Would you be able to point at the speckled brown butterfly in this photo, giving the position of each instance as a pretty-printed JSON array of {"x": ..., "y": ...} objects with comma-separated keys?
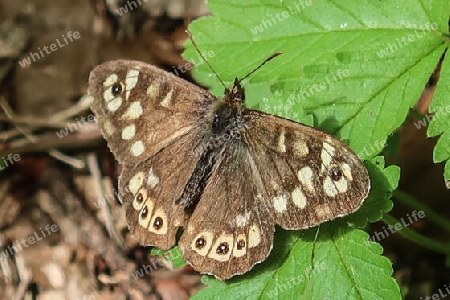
[{"x": 225, "y": 173}]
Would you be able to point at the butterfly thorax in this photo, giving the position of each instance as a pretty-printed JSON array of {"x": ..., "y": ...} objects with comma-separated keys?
[
  {"x": 226, "y": 126},
  {"x": 228, "y": 111}
]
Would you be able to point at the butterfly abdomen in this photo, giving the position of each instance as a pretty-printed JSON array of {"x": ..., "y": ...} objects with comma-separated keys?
[{"x": 196, "y": 184}]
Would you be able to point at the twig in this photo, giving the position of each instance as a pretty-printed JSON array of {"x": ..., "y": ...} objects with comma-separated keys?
[
  {"x": 80, "y": 106},
  {"x": 416, "y": 237},
  {"x": 25, "y": 275},
  {"x": 100, "y": 192},
  {"x": 10, "y": 114},
  {"x": 69, "y": 160},
  {"x": 33, "y": 121},
  {"x": 432, "y": 216}
]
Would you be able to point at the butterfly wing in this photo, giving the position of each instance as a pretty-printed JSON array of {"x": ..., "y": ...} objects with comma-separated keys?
[
  {"x": 307, "y": 177},
  {"x": 151, "y": 121},
  {"x": 229, "y": 231},
  {"x": 149, "y": 191},
  {"x": 141, "y": 108}
]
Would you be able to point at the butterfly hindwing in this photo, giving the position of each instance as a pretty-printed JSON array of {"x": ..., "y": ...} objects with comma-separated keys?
[
  {"x": 229, "y": 231},
  {"x": 150, "y": 189}
]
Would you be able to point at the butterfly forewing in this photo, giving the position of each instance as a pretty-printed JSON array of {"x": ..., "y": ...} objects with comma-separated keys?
[
  {"x": 141, "y": 109},
  {"x": 307, "y": 176}
]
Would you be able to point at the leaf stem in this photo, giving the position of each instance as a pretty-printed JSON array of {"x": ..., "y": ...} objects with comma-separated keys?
[
  {"x": 431, "y": 215},
  {"x": 417, "y": 237}
]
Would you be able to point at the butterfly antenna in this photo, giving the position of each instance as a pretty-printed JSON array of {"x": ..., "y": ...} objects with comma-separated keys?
[
  {"x": 262, "y": 64},
  {"x": 204, "y": 59}
]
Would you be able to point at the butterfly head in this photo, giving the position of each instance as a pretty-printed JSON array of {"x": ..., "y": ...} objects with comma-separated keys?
[
  {"x": 235, "y": 97},
  {"x": 236, "y": 93}
]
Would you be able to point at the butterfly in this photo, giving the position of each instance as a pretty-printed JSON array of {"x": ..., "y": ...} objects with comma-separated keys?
[{"x": 222, "y": 174}]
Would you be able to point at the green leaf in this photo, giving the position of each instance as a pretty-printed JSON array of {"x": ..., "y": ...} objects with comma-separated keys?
[
  {"x": 392, "y": 145},
  {"x": 284, "y": 107},
  {"x": 173, "y": 256},
  {"x": 351, "y": 68},
  {"x": 440, "y": 124},
  {"x": 350, "y": 262},
  {"x": 337, "y": 263},
  {"x": 384, "y": 181},
  {"x": 357, "y": 66}
]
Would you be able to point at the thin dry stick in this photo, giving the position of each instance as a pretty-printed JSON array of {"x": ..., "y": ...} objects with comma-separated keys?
[
  {"x": 33, "y": 121},
  {"x": 76, "y": 163},
  {"x": 25, "y": 275},
  {"x": 56, "y": 119},
  {"x": 82, "y": 105},
  {"x": 10, "y": 114},
  {"x": 71, "y": 161},
  {"x": 5, "y": 265},
  {"x": 100, "y": 192}
]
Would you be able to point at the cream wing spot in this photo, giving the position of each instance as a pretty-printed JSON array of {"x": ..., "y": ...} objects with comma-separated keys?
[
  {"x": 254, "y": 236},
  {"x": 133, "y": 112},
  {"x": 329, "y": 148},
  {"x": 107, "y": 95},
  {"x": 341, "y": 185},
  {"x": 202, "y": 242},
  {"x": 132, "y": 74},
  {"x": 240, "y": 246},
  {"x": 326, "y": 155},
  {"x": 131, "y": 80},
  {"x": 129, "y": 132},
  {"x": 306, "y": 177},
  {"x": 222, "y": 248},
  {"x": 242, "y": 220},
  {"x": 167, "y": 99},
  {"x": 110, "y": 80},
  {"x": 136, "y": 182},
  {"x": 114, "y": 104},
  {"x": 280, "y": 202},
  {"x": 137, "y": 148},
  {"x": 298, "y": 197},
  {"x": 329, "y": 187},
  {"x": 300, "y": 147},
  {"x": 159, "y": 223},
  {"x": 152, "y": 179},
  {"x": 347, "y": 171},
  {"x": 109, "y": 128},
  {"x": 281, "y": 147},
  {"x": 153, "y": 90}
]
